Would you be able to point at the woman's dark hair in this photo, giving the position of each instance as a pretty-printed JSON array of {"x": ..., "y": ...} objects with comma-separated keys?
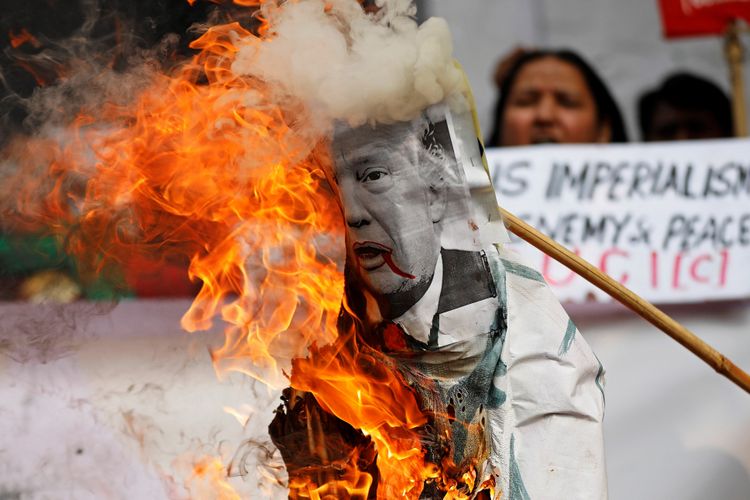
[
  {"x": 686, "y": 91},
  {"x": 606, "y": 107}
]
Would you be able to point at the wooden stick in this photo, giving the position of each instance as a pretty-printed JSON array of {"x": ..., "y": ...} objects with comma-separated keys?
[
  {"x": 733, "y": 51},
  {"x": 648, "y": 311}
]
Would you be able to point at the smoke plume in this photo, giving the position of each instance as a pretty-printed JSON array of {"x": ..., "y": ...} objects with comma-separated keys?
[{"x": 347, "y": 65}]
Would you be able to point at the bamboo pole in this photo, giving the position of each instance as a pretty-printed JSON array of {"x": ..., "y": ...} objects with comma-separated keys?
[
  {"x": 645, "y": 309},
  {"x": 734, "y": 52}
]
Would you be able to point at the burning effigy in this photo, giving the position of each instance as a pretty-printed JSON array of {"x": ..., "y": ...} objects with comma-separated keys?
[
  {"x": 493, "y": 382},
  {"x": 323, "y": 176}
]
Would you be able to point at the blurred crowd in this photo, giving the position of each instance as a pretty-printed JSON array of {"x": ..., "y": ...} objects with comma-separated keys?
[
  {"x": 555, "y": 96},
  {"x": 543, "y": 96}
]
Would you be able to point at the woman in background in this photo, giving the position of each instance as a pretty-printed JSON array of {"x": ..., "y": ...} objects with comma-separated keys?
[{"x": 552, "y": 96}]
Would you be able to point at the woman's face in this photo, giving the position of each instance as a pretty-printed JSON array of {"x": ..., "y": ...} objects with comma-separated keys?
[{"x": 550, "y": 102}]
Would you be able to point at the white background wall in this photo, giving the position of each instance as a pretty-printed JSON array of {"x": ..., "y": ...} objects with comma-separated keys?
[{"x": 621, "y": 38}]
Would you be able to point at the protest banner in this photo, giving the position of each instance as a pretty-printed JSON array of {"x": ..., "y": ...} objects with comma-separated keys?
[
  {"x": 669, "y": 220},
  {"x": 682, "y": 18}
]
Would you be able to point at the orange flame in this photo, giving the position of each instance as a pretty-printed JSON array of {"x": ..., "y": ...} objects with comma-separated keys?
[
  {"x": 364, "y": 389},
  {"x": 22, "y": 37},
  {"x": 209, "y": 480},
  {"x": 204, "y": 166}
]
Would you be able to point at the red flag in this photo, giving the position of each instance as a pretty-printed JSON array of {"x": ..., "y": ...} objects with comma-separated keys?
[{"x": 682, "y": 18}]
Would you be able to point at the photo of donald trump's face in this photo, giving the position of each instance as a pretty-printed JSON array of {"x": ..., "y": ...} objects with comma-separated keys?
[{"x": 392, "y": 195}]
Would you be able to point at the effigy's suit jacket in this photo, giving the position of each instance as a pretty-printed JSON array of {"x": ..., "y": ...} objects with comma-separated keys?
[{"x": 513, "y": 389}]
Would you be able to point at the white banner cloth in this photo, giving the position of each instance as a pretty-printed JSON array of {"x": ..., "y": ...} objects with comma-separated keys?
[{"x": 671, "y": 221}]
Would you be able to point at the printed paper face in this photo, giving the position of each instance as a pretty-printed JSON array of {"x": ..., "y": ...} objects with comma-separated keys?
[{"x": 404, "y": 196}]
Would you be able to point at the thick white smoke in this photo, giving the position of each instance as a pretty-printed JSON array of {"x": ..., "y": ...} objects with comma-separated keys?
[{"x": 344, "y": 64}]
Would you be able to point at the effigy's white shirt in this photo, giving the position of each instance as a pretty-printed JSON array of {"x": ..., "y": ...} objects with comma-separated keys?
[
  {"x": 544, "y": 429},
  {"x": 550, "y": 445}
]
